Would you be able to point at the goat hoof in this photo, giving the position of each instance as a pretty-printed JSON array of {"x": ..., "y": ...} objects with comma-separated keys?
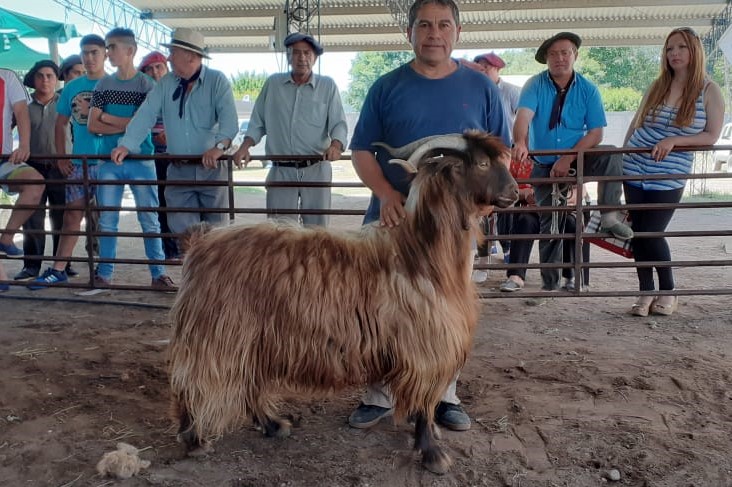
[
  {"x": 202, "y": 450},
  {"x": 278, "y": 429},
  {"x": 436, "y": 461}
]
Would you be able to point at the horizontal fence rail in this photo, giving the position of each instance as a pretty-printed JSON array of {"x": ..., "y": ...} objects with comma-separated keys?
[{"x": 576, "y": 238}]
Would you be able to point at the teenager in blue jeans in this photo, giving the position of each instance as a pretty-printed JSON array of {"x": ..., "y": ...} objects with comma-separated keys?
[{"x": 116, "y": 99}]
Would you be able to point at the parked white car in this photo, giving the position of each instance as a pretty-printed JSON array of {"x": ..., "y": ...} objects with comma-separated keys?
[{"x": 723, "y": 157}]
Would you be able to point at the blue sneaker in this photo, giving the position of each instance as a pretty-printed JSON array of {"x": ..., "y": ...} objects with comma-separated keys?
[
  {"x": 11, "y": 251},
  {"x": 49, "y": 278}
]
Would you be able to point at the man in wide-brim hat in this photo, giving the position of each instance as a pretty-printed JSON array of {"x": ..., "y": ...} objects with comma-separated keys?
[{"x": 197, "y": 106}]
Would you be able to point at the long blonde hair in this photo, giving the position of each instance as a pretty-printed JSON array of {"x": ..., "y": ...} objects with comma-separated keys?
[{"x": 661, "y": 86}]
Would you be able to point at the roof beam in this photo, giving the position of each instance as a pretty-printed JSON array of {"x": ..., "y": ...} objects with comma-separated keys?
[
  {"x": 351, "y": 10},
  {"x": 474, "y": 27}
]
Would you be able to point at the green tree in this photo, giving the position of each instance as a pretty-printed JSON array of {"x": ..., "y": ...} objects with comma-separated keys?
[
  {"x": 620, "y": 99},
  {"x": 366, "y": 68},
  {"x": 520, "y": 61},
  {"x": 623, "y": 67},
  {"x": 247, "y": 83}
]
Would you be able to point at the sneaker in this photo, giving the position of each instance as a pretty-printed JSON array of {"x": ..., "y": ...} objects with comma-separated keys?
[
  {"x": 49, "y": 278},
  {"x": 366, "y": 416},
  {"x": 510, "y": 286},
  {"x": 621, "y": 231},
  {"x": 452, "y": 416},
  {"x": 26, "y": 274},
  {"x": 99, "y": 281},
  {"x": 11, "y": 251},
  {"x": 569, "y": 284},
  {"x": 71, "y": 272},
  {"x": 164, "y": 283}
]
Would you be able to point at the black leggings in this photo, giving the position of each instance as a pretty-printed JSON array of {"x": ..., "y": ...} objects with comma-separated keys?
[{"x": 654, "y": 248}]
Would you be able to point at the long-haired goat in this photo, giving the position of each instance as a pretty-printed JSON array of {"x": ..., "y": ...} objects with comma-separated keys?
[{"x": 269, "y": 309}]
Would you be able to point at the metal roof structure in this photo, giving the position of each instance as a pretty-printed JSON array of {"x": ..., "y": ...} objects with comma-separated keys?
[{"x": 362, "y": 25}]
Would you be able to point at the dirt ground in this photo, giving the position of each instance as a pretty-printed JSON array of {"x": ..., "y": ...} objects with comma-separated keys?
[{"x": 559, "y": 395}]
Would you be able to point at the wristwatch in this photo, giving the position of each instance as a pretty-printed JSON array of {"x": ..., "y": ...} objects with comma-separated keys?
[{"x": 221, "y": 146}]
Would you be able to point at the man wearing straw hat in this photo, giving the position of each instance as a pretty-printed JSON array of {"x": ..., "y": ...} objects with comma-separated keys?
[{"x": 199, "y": 115}]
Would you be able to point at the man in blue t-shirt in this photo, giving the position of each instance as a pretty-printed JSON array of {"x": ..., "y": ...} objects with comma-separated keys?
[
  {"x": 431, "y": 95},
  {"x": 561, "y": 109},
  {"x": 73, "y": 107}
]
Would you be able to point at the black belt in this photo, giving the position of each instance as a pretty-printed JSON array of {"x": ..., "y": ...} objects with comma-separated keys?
[{"x": 295, "y": 164}]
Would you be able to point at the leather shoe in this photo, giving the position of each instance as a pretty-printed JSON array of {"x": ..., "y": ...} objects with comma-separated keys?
[{"x": 452, "y": 416}]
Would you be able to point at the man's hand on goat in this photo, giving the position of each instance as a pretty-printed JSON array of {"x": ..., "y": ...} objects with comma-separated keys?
[{"x": 392, "y": 208}]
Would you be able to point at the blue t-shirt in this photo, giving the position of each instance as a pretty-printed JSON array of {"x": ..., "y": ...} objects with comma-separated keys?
[
  {"x": 582, "y": 112},
  {"x": 404, "y": 106},
  {"x": 122, "y": 98},
  {"x": 75, "y": 102}
]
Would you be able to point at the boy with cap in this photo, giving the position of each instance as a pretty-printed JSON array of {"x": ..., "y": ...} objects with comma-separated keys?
[
  {"x": 73, "y": 109},
  {"x": 155, "y": 65},
  {"x": 301, "y": 113},
  {"x": 43, "y": 77},
  {"x": 561, "y": 109},
  {"x": 199, "y": 114}
]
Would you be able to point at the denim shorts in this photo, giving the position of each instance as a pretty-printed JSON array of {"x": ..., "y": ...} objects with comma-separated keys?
[{"x": 76, "y": 192}]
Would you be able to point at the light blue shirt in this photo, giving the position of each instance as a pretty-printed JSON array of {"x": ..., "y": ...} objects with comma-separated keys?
[
  {"x": 298, "y": 119},
  {"x": 582, "y": 112},
  {"x": 209, "y": 115}
]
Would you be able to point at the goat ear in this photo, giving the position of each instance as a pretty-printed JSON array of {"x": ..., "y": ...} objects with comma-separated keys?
[{"x": 408, "y": 166}]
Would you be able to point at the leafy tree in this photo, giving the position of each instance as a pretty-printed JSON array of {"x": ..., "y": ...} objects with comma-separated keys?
[
  {"x": 520, "y": 61},
  {"x": 620, "y": 99},
  {"x": 247, "y": 83},
  {"x": 366, "y": 68},
  {"x": 621, "y": 67}
]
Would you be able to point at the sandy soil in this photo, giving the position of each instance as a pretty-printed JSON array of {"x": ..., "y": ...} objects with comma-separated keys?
[{"x": 559, "y": 394}]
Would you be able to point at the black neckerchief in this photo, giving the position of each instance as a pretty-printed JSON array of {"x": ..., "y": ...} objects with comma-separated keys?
[
  {"x": 182, "y": 89},
  {"x": 556, "y": 115}
]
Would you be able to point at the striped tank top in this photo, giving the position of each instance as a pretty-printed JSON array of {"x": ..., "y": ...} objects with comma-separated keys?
[{"x": 655, "y": 128}]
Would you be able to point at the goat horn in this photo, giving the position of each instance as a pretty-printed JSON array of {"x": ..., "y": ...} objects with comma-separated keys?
[
  {"x": 405, "y": 151},
  {"x": 452, "y": 141}
]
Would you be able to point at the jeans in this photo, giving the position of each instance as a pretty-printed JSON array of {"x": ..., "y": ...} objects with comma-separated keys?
[
  {"x": 145, "y": 196},
  {"x": 608, "y": 193}
]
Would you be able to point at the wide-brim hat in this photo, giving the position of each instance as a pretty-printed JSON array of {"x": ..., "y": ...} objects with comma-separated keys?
[
  {"x": 190, "y": 40},
  {"x": 30, "y": 76},
  {"x": 491, "y": 58},
  {"x": 541, "y": 52},
  {"x": 299, "y": 36},
  {"x": 68, "y": 63}
]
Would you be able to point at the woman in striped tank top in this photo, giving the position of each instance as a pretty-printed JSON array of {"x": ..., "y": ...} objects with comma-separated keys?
[{"x": 682, "y": 107}]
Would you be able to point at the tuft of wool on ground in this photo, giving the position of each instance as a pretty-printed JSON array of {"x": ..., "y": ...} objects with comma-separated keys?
[{"x": 122, "y": 463}]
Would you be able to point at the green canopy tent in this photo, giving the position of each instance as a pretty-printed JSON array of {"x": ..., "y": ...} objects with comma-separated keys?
[
  {"x": 18, "y": 56},
  {"x": 14, "y": 26}
]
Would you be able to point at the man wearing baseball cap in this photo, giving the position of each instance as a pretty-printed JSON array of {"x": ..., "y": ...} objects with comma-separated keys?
[
  {"x": 561, "y": 109},
  {"x": 313, "y": 103},
  {"x": 199, "y": 115}
]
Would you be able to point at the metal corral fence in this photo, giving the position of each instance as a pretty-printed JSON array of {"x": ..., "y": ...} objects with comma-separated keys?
[{"x": 716, "y": 187}]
